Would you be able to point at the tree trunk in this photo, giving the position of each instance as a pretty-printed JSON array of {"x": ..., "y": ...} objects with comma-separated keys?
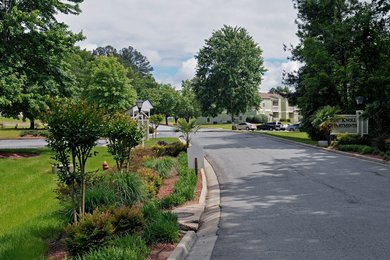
[
  {"x": 232, "y": 118},
  {"x": 32, "y": 124},
  {"x": 166, "y": 120}
]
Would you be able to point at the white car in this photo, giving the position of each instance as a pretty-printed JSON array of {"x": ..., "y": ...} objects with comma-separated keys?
[{"x": 245, "y": 126}]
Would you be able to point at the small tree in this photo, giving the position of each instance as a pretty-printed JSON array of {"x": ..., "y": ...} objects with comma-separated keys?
[
  {"x": 156, "y": 121},
  {"x": 325, "y": 119},
  {"x": 74, "y": 128},
  {"x": 187, "y": 129},
  {"x": 123, "y": 134}
]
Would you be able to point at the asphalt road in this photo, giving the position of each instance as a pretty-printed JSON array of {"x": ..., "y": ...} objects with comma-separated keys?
[
  {"x": 285, "y": 201},
  {"x": 163, "y": 131}
]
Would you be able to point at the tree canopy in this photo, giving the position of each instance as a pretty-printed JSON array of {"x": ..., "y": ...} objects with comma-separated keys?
[
  {"x": 229, "y": 71},
  {"x": 344, "y": 48},
  {"x": 108, "y": 85},
  {"x": 32, "y": 50},
  {"x": 187, "y": 105},
  {"x": 129, "y": 57}
]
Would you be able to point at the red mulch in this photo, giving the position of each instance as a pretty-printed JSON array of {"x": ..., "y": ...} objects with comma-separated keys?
[
  {"x": 56, "y": 250},
  {"x": 168, "y": 185},
  {"x": 17, "y": 155}
]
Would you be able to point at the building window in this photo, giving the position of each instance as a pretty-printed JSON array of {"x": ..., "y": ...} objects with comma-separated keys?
[{"x": 275, "y": 103}]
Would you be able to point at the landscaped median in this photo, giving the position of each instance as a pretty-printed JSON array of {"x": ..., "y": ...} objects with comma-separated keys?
[{"x": 127, "y": 212}]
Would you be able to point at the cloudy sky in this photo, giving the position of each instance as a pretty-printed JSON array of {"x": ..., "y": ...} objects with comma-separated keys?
[{"x": 170, "y": 32}]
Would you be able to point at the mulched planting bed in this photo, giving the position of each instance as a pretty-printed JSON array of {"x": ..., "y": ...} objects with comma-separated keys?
[{"x": 16, "y": 155}]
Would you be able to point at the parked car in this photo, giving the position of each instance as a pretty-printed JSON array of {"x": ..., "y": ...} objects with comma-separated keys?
[
  {"x": 279, "y": 126},
  {"x": 293, "y": 127},
  {"x": 267, "y": 126},
  {"x": 245, "y": 126}
]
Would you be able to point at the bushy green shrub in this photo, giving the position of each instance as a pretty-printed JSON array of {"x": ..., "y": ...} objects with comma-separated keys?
[
  {"x": 123, "y": 134},
  {"x": 363, "y": 149},
  {"x": 184, "y": 188},
  {"x": 99, "y": 228},
  {"x": 126, "y": 219},
  {"x": 172, "y": 149},
  {"x": 260, "y": 119},
  {"x": 92, "y": 231},
  {"x": 162, "y": 228},
  {"x": 163, "y": 165},
  {"x": 249, "y": 119},
  {"x": 127, "y": 247},
  {"x": 350, "y": 139},
  {"x": 152, "y": 179},
  {"x": 128, "y": 186}
]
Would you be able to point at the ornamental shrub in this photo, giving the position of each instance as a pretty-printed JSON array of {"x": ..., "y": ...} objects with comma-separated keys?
[
  {"x": 350, "y": 139},
  {"x": 152, "y": 180},
  {"x": 92, "y": 231},
  {"x": 172, "y": 149},
  {"x": 128, "y": 219}
]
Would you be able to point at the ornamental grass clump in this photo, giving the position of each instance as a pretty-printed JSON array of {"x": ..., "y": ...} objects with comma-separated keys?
[
  {"x": 128, "y": 247},
  {"x": 163, "y": 165}
]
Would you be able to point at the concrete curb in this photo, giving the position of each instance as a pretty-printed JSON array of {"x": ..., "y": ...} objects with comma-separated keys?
[
  {"x": 183, "y": 248},
  {"x": 209, "y": 205},
  {"x": 207, "y": 233},
  {"x": 360, "y": 156}
]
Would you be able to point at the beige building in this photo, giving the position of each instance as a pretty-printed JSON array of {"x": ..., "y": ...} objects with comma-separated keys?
[
  {"x": 277, "y": 108},
  {"x": 274, "y": 106}
]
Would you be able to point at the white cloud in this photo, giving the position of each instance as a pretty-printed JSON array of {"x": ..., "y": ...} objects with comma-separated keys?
[
  {"x": 187, "y": 70},
  {"x": 170, "y": 32},
  {"x": 274, "y": 76}
]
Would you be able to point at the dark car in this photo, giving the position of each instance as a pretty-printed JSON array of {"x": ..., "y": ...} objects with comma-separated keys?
[{"x": 267, "y": 126}]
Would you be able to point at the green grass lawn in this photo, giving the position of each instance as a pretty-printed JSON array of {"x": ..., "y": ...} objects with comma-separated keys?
[
  {"x": 9, "y": 133},
  {"x": 301, "y": 137},
  {"x": 223, "y": 126},
  {"x": 28, "y": 203}
]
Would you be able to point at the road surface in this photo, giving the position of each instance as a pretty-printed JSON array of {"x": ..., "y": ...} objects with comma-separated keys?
[{"x": 281, "y": 200}]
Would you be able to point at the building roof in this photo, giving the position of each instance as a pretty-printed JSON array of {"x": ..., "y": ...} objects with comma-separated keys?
[{"x": 270, "y": 96}]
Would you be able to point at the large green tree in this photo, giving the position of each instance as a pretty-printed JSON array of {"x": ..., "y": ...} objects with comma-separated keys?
[
  {"x": 129, "y": 57},
  {"x": 32, "y": 49},
  {"x": 164, "y": 100},
  {"x": 344, "y": 49},
  {"x": 229, "y": 71},
  {"x": 187, "y": 105},
  {"x": 108, "y": 85}
]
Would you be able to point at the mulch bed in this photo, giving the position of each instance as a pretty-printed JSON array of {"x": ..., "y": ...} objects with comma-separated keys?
[{"x": 16, "y": 155}]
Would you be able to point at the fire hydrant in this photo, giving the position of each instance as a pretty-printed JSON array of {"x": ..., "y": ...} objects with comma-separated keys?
[{"x": 105, "y": 166}]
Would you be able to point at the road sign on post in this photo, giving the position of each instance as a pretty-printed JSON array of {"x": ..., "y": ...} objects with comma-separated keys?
[{"x": 195, "y": 157}]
